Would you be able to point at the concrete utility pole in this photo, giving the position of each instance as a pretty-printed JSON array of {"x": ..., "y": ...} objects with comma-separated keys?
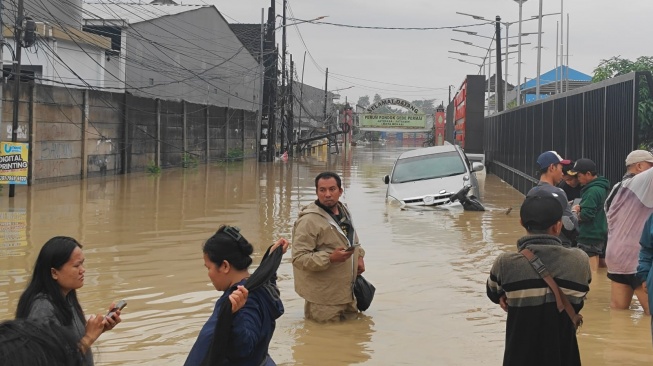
[
  {"x": 268, "y": 119},
  {"x": 283, "y": 78},
  {"x": 2, "y": 81},
  {"x": 18, "y": 30},
  {"x": 498, "y": 89},
  {"x": 260, "y": 146},
  {"x": 291, "y": 102},
  {"x": 301, "y": 100},
  {"x": 326, "y": 93}
]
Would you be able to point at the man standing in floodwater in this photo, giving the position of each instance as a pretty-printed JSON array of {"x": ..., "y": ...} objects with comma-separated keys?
[
  {"x": 537, "y": 332},
  {"x": 326, "y": 255}
]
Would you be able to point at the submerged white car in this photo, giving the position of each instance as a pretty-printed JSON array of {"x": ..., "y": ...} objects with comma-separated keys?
[{"x": 430, "y": 176}]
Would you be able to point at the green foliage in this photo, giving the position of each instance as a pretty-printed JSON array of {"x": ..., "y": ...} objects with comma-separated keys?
[
  {"x": 426, "y": 105},
  {"x": 189, "y": 160},
  {"x": 235, "y": 154},
  {"x": 616, "y": 66},
  {"x": 364, "y": 101},
  {"x": 152, "y": 168}
]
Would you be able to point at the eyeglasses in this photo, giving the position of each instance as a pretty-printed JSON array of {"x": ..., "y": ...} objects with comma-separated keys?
[{"x": 232, "y": 231}]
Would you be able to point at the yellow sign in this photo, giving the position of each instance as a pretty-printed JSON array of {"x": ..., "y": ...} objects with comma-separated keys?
[
  {"x": 392, "y": 121},
  {"x": 13, "y": 162}
]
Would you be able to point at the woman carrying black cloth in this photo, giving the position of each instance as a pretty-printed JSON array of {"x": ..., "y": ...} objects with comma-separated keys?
[
  {"x": 51, "y": 294},
  {"x": 239, "y": 330}
]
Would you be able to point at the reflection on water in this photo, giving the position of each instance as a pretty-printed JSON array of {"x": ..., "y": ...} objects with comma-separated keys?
[{"x": 142, "y": 238}]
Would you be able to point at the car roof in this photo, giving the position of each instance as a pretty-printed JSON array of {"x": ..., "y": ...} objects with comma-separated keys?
[{"x": 427, "y": 151}]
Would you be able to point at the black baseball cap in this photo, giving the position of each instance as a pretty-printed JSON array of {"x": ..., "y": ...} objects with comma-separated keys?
[
  {"x": 540, "y": 212},
  {"x": 582, "y": 166}
]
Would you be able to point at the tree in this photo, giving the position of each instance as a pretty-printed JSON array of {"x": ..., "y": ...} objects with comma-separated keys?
[
  {"x": 382, "y": 109},
  {"x": 616, "y": 66},
  {"x": 426, "y": 105},
  {"x": 364, "y": 101}
]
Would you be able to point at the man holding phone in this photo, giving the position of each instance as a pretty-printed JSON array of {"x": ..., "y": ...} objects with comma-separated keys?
[{"x": 326, "y": 254}]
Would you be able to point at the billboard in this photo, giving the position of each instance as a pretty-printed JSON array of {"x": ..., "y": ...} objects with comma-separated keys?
[
  {"x": 13, "y": 162},
  {"x": 393, "y": 121}
]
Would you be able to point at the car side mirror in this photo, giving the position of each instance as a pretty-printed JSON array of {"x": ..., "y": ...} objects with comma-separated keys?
[
  {"x": 386, "y": 179},
  {"x": 477, "y": 167}
]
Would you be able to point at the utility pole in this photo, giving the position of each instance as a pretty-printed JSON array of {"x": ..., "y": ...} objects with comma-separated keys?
[
  {"x": 449, "y": 94},
  {"x": 283, "y": 78},
  {"x": 291, "y": 103},
  {"x": 326, "y": 93},
  {"x": 301, "y": 100},
  {"x": 498, "y": 88},
  {"x": 18, "y": 30},
  {"x": 268, "y": 120},
  {"x": 260, "y": 147},
  {"x": 2, "y": 81}
]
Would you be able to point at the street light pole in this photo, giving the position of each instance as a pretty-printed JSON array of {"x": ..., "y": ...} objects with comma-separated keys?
[
  {"x": 498, "y": 87},
  {"x": 505, "y": 79},
  {"x": 539, "y": 53},
  {"x": 521, "y": 2}
]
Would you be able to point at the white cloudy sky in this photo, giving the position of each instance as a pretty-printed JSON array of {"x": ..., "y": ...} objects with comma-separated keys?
[{"x": 414, "y": 64}]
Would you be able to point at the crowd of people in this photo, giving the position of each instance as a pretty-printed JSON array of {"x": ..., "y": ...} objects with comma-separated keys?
[
  {"x": 51, "y": 328},
  {"x": 575, "y": 222}
]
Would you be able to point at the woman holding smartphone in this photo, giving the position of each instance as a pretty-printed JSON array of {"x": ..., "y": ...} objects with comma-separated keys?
[
  {"x": 239, "y": 330},
  {"x": 51, "y": 295}
]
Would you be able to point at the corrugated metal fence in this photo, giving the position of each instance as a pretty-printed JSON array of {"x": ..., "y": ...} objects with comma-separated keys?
[{"x": 599, "y": 122}]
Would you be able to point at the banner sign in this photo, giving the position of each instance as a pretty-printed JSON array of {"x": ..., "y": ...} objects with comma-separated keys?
[
  {"x": 393, "y": 121},
  {"x": 13, "y": 162}
]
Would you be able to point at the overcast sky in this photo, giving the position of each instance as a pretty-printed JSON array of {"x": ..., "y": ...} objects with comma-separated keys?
[{"x": 414, "y": 64}]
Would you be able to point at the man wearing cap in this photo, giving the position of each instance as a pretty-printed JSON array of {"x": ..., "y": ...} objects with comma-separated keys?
[
  {"x": 549, "y": 165},
  {"x": 537, "y": 333},
  {"x": 570, "y": 183},
  {"x": 592, "y": 225},
  {"x": 628, "y": 206}
]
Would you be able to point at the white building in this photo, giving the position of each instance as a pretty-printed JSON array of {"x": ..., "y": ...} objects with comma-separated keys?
[{"x": 63, "y": 54}]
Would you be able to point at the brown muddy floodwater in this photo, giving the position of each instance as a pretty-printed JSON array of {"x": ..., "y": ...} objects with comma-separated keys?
[{"x": 142, "y": 236}]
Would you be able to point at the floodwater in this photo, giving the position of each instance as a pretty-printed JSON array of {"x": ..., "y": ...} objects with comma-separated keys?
[{"x": 142, "y": 239}]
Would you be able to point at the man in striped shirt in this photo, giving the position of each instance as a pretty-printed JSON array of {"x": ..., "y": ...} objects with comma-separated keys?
[{"x": 537, "y": 333}]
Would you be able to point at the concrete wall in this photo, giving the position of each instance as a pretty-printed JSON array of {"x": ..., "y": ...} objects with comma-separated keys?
[
  {"x": 76, "y": 133},
  {"x": 195, "y": 57}
]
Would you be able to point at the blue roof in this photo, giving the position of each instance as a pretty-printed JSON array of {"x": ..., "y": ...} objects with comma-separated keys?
[{"x": 550, "y": 77}]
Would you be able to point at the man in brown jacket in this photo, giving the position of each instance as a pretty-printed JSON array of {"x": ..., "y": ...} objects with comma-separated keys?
[{"x": 326, "y": 255}]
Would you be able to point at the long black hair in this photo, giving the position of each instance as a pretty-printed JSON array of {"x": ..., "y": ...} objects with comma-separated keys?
[
  {"x": 54, "y": 254},
  {"x": 26, "y": 342}
]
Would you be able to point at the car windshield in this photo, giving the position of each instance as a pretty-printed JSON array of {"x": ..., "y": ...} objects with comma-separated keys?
[{"x": 428, "y": 167}]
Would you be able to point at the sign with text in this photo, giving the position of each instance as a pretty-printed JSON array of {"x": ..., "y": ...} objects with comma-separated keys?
[
  {"x": 393, "y": 121},
  {"x": 13, "y": 162}
]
